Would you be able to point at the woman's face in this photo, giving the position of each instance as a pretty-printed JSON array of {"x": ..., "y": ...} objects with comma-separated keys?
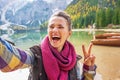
[{"x": 58, "y": 32}]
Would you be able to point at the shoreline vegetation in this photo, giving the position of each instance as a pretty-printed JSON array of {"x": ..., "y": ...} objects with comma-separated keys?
[{"x": 106, "y": 30}]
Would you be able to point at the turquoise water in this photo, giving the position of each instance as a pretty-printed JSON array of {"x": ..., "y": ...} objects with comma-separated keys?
[{"x": 28, "y": 39}]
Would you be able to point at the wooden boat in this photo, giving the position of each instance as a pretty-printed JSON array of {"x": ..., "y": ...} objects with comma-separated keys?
[
  {"x": 107, "y": 35},
  {"x": 107, "y": 39},
  {"x": 106, "y": 42},
  {"x": 114, "y": 37}
]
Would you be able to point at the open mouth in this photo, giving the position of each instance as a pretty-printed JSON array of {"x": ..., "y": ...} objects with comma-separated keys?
[{"x": 55, "y": 38}]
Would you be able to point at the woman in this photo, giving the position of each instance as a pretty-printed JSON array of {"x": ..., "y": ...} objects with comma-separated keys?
[{"x": 58, "y": 56}]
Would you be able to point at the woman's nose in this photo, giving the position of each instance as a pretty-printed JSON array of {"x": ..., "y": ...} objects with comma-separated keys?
[{"x": 55, "y": 29}]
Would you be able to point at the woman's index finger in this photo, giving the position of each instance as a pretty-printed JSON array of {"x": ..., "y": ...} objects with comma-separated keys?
[
  {"x": 89, "y": 49},
  {"x": 84, "y": 51}
]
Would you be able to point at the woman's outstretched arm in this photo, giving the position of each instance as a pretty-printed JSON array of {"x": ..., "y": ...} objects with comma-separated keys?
[{"x": 12, "y": 58}]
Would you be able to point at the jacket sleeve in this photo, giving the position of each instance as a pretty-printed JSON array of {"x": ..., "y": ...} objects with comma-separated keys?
[
  {"x": 12, "y": 58},
  {"x": 89, "y": 72},
  {"x": 85, "y": 72}
]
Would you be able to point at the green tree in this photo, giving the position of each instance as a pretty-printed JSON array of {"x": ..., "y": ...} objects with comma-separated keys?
[
  {"x": 115, "y": 19},
  {"x": 119, "y": 16},
  {"x": 108, "y": 14},
  {"x": 102, "y": 19},
  {"x": 97, "y": 20}
]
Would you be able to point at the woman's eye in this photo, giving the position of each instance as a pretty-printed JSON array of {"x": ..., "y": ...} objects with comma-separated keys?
[
  {"x": 60, "y": 27},
  {"x": 51, "y": 27}
]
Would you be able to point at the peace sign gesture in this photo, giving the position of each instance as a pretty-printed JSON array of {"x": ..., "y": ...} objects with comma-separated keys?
[{"x": 89, "y": 59}]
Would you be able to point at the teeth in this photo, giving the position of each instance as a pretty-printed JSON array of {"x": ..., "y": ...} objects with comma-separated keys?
[{"x": 55, "y": 37}]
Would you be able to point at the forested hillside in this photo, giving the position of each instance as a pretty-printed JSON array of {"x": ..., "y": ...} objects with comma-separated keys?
[{"x": 100, "y": 12}]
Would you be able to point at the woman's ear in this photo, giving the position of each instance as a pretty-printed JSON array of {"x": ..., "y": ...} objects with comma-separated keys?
[{"x": 70, "y": 33}]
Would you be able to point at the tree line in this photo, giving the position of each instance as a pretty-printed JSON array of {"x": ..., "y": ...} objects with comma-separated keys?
[{"x": 100, "y": 12}]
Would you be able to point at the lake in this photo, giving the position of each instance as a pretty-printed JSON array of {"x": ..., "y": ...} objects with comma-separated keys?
[{"x": 28, "y": 39}]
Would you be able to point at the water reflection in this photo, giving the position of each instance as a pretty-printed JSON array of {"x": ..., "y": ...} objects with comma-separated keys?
[{"x": 25, "y": 39}]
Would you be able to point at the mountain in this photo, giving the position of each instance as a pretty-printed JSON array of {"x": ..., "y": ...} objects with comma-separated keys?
[{"x": 29, "y": 12}]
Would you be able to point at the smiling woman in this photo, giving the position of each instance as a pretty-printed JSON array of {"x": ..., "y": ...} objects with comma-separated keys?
[
  {"x": 55, "y": 54},
  {"x": 58, "y": 31}
]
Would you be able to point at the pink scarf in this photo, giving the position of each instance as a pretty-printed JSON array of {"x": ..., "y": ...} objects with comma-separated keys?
[{"x": 57, "y": 64}]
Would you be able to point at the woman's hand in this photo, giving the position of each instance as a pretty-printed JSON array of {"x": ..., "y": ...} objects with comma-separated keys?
[{"x": 89, "y": 59}]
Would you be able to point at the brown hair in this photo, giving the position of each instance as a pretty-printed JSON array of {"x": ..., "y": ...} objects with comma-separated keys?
[{"x": 64, "y": 15}]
